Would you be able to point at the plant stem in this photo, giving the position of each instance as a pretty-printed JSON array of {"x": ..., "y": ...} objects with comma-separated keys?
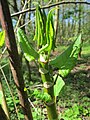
[{"x": 48, "y": 88}]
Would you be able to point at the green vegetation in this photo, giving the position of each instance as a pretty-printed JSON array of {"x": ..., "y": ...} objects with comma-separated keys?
[
  {"x": 45, "y": 38},
  {"x": 55, "y": 66},
  {"x": 73, "y": 97}
]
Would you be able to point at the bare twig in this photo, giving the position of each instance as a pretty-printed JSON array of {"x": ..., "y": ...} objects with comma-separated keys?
[
  {"x": 20, "y": 17},
  {"x": 49, "y": 2},
  {"x": 48, "y": 6},
  {"x": 33, "y": 106},
  {"x": 10, "y": 4},
  {"x": 1, "y": 67},
  {"x": 26, "y": 23},
  {"x": 26, "y": 2},
  {"x": 3, "y": 52}
]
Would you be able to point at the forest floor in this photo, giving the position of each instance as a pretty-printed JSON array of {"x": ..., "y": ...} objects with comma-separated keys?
[
  {"x": 74, "y": 100},
  {"x": 73, "y": 103}
]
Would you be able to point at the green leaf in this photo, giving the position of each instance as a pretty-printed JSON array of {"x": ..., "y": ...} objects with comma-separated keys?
[
  {"x": 1, "y": 95},
  {"x": 42, "y": 95},
  {"x": 2, "y": 38},
  {"x": 29, "y": 52},
  {"x": 43, "y": 48},
  {"x": 58, "y": 86},
  {"x": 50, "y": 32},
  {"x": 40, "y": 23},
  {"x": 67, "y": 60}
]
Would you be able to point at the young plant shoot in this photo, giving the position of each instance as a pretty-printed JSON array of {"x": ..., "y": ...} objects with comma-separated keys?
[{"x": 45, "y": 38}]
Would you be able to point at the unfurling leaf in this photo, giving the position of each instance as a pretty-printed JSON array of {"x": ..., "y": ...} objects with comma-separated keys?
[
  {"x": 40, "y": 22},
  {"x": 50, "y": 32},
  {"x": 67, "y": 60},
  {"x": 42, "y": 95},
  {"x": 44, "y": 33},
  {"x": 29, "y": 52},
  {"x": 58, "y": 86},
  {"x": 2, "y": 38}
]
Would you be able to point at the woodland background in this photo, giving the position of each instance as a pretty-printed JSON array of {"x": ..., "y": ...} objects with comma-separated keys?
[{"x": 69, "y": 20}]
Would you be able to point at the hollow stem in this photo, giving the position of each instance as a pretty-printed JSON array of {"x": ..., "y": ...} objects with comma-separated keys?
[{"x": 48, "y": 84}]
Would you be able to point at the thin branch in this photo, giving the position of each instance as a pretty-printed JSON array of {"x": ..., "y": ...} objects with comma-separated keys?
[
  {"x": 48, "y": 6},
  {"x": 3, "y": 52},
  {"x": 10, "y": 4},
  {"x": 33, "y": 106},
  {"x": 13, "y": 6},
  {"x": 26, "y": 23},
  {"x": 49, "y": 2},
  {"x": 19, "y": 19},
  {"x": 1, "y": 68}
]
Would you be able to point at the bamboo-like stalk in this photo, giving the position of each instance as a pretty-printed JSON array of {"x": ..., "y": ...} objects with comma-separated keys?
[
  {"x": 4, "y": 103},
  {"x": 48, "y": 84}
]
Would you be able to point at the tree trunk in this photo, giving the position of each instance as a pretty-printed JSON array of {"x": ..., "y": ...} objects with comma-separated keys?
[
  {"x": 62, "y": 21},
  {"x": 14, "y": 58},
  {"x": 29, "y": 13},
  {"x": 74, "y": 21},
  {"x": 56, "y": 20},
  {"x": 79, "y": 28}
]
